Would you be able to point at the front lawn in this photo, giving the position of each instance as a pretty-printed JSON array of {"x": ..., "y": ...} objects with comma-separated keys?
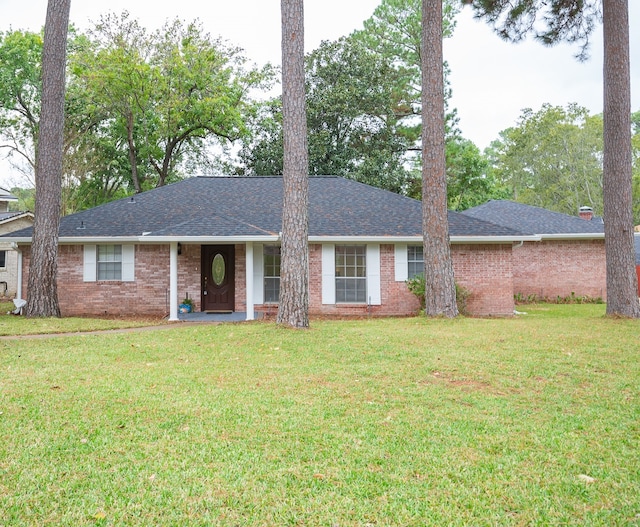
[{"x": 393, "y": 422}]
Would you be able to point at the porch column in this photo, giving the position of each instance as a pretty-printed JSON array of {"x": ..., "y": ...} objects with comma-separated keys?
[
  {"x": 249, "y": 280},
  {"x": 173, "y": 281}
]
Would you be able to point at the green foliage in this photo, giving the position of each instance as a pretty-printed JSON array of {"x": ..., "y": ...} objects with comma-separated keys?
[
  {"x": 552, "y": 159},
  {"x": 549, "y": 21},
  {"x": 363, "y": 104},
  {"x": 20, "y": 96},
  {"x": 417, "y": 286},
  {"x": 569, "y": 299},
  {"x": 140, "y": 106},
  {"x": 162, "y": 97}
]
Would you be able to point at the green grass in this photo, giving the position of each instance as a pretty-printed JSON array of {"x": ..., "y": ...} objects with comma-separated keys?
[
  {"x": 11, "y": 325},
  {"x": 390, "y": 422}
]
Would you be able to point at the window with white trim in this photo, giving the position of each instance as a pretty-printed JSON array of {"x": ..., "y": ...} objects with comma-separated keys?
[
  {"x": 109, "y": 262},
  {"x": 351, "y": 273},
  {"x": 415, "y": 261},
  {"x": 271, "y": 263},
  {"x": 3, "y": 259}
]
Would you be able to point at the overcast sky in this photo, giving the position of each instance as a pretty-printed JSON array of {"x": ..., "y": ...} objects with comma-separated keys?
[{"x": 492, "y": 80}]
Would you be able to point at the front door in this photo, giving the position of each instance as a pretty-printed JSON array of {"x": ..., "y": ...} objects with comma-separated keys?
[{"x": 218, "y": 278}]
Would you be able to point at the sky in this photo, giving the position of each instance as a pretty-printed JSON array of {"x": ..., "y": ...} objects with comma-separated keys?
[{"x": 492, "y": 80}]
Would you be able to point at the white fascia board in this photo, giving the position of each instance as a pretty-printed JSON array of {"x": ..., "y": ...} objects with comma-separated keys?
[
  {"x": 574, "y": 236},
  {"x": 365, "y": 239},
  {"x": 418, "y": 239},
  {"x": 207, "y": 239},
  {"x": 67, "y": 240},
  {"x": 18, "y": 216},
  {"x": 495, "y": 239}
]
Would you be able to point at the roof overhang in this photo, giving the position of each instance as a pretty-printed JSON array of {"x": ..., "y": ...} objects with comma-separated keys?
[
  {"x": 66, "y": 240},
  {"x": 574, "y": 236}
]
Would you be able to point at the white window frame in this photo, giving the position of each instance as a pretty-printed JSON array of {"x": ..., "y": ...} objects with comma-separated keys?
[
  {"x": 90, "y": 267},
  {"x": 374, "y": 296}
]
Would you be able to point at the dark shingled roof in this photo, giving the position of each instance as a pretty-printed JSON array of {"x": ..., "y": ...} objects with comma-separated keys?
[
  {"x": 534, "y": 220},
  {"x": 252, "y": 206}
]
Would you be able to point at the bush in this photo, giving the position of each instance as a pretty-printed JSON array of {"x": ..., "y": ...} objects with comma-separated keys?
[{"x": 417, "y": 286}]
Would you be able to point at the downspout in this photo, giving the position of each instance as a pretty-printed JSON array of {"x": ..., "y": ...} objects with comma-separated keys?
[
  {"x": 520, "y": 244},
  {"x": 19, "y": 286}
]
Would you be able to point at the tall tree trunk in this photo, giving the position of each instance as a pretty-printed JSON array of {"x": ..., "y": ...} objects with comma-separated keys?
[
  {"x": 440, "y": 290},
  {"x": 42, "y": 300},
  {"x": 622, "y": 281},
  {"x": 293, "y": 309}
]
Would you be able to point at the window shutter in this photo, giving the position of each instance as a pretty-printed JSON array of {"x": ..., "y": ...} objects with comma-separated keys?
[
  {"x": 401, "y": 263},
  {"x": 128, "y": 263},
  {"x": 328, "y": 273},
  {"x": 373, "y": 275},
  {"x": 89, "y": 273},
  {"x": 258, "y": 273}
]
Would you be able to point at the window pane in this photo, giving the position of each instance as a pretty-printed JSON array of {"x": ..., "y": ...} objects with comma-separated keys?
[
  {"x": 272, "y": 258},
  {"x": 351, "y": 274},
  {"x": 415, "y": 261},
  {"x": 109, "y": 264}
]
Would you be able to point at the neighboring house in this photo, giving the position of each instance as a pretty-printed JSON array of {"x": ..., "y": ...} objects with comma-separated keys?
[
  {"x": 10, "y": 221},
  {"x": 217, "y": 240},
  {"x": 568, "y": 259}
]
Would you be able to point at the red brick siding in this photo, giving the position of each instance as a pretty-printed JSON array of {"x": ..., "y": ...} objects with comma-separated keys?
[
  {"x": 486, "y": 271},
  {"x": 148, "y": 294},
  {"x": 558, "y": 268}
]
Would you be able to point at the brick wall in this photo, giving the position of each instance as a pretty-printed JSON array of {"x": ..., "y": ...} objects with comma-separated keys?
[
  {"x": 553, "y": 268},
  {"x": 486, "y": 271}
]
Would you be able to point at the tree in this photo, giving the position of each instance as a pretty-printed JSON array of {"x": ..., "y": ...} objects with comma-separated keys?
[
  {"x": 363, "y": 103},
  {"x": 20, "y": 98},
  {"x": 42, "y": 298},
  {"x": 552, "y": 21},
  {"x": 440, "y": 291},
  {"x": 552, "y": 159},
  {"x": 622, "y": 280},
  {"x": 160, "y": 99},
  {"x": 293, "y": 308}
]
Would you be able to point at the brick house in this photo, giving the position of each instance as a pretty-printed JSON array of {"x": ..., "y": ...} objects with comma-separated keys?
[
  {"x": 217, "y": 241},
  {"x": 569, "y": 257}
]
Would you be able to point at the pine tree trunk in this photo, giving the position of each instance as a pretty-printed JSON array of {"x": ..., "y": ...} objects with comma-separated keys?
[
  {"x": 622, "y": 282},
  {"x": 293, "y": 309},
  {"x": 440, "y": 291},
  {"x": 42, "y": 299}
]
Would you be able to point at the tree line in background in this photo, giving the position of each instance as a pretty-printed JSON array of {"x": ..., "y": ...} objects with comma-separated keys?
[{"x": 144, "y": 109}]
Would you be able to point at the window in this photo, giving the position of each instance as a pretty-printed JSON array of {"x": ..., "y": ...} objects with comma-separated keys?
[
  {"x": 351, "y": 274},
  {"x": 415, "y": 260},
  {"x": 3, "y": 259},
  {"x": 271, "y": 273},
  {"x": 109, "y": 262}
]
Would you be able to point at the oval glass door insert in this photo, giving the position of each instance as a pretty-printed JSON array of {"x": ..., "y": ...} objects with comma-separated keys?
[{"x": 218, "y": 269}]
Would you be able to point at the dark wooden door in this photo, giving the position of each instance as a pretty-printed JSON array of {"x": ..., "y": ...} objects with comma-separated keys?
[{"x": 218, "y": 278}]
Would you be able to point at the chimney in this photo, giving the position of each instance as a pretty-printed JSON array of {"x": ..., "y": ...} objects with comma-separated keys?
[{"x": 586, "y": 213}]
